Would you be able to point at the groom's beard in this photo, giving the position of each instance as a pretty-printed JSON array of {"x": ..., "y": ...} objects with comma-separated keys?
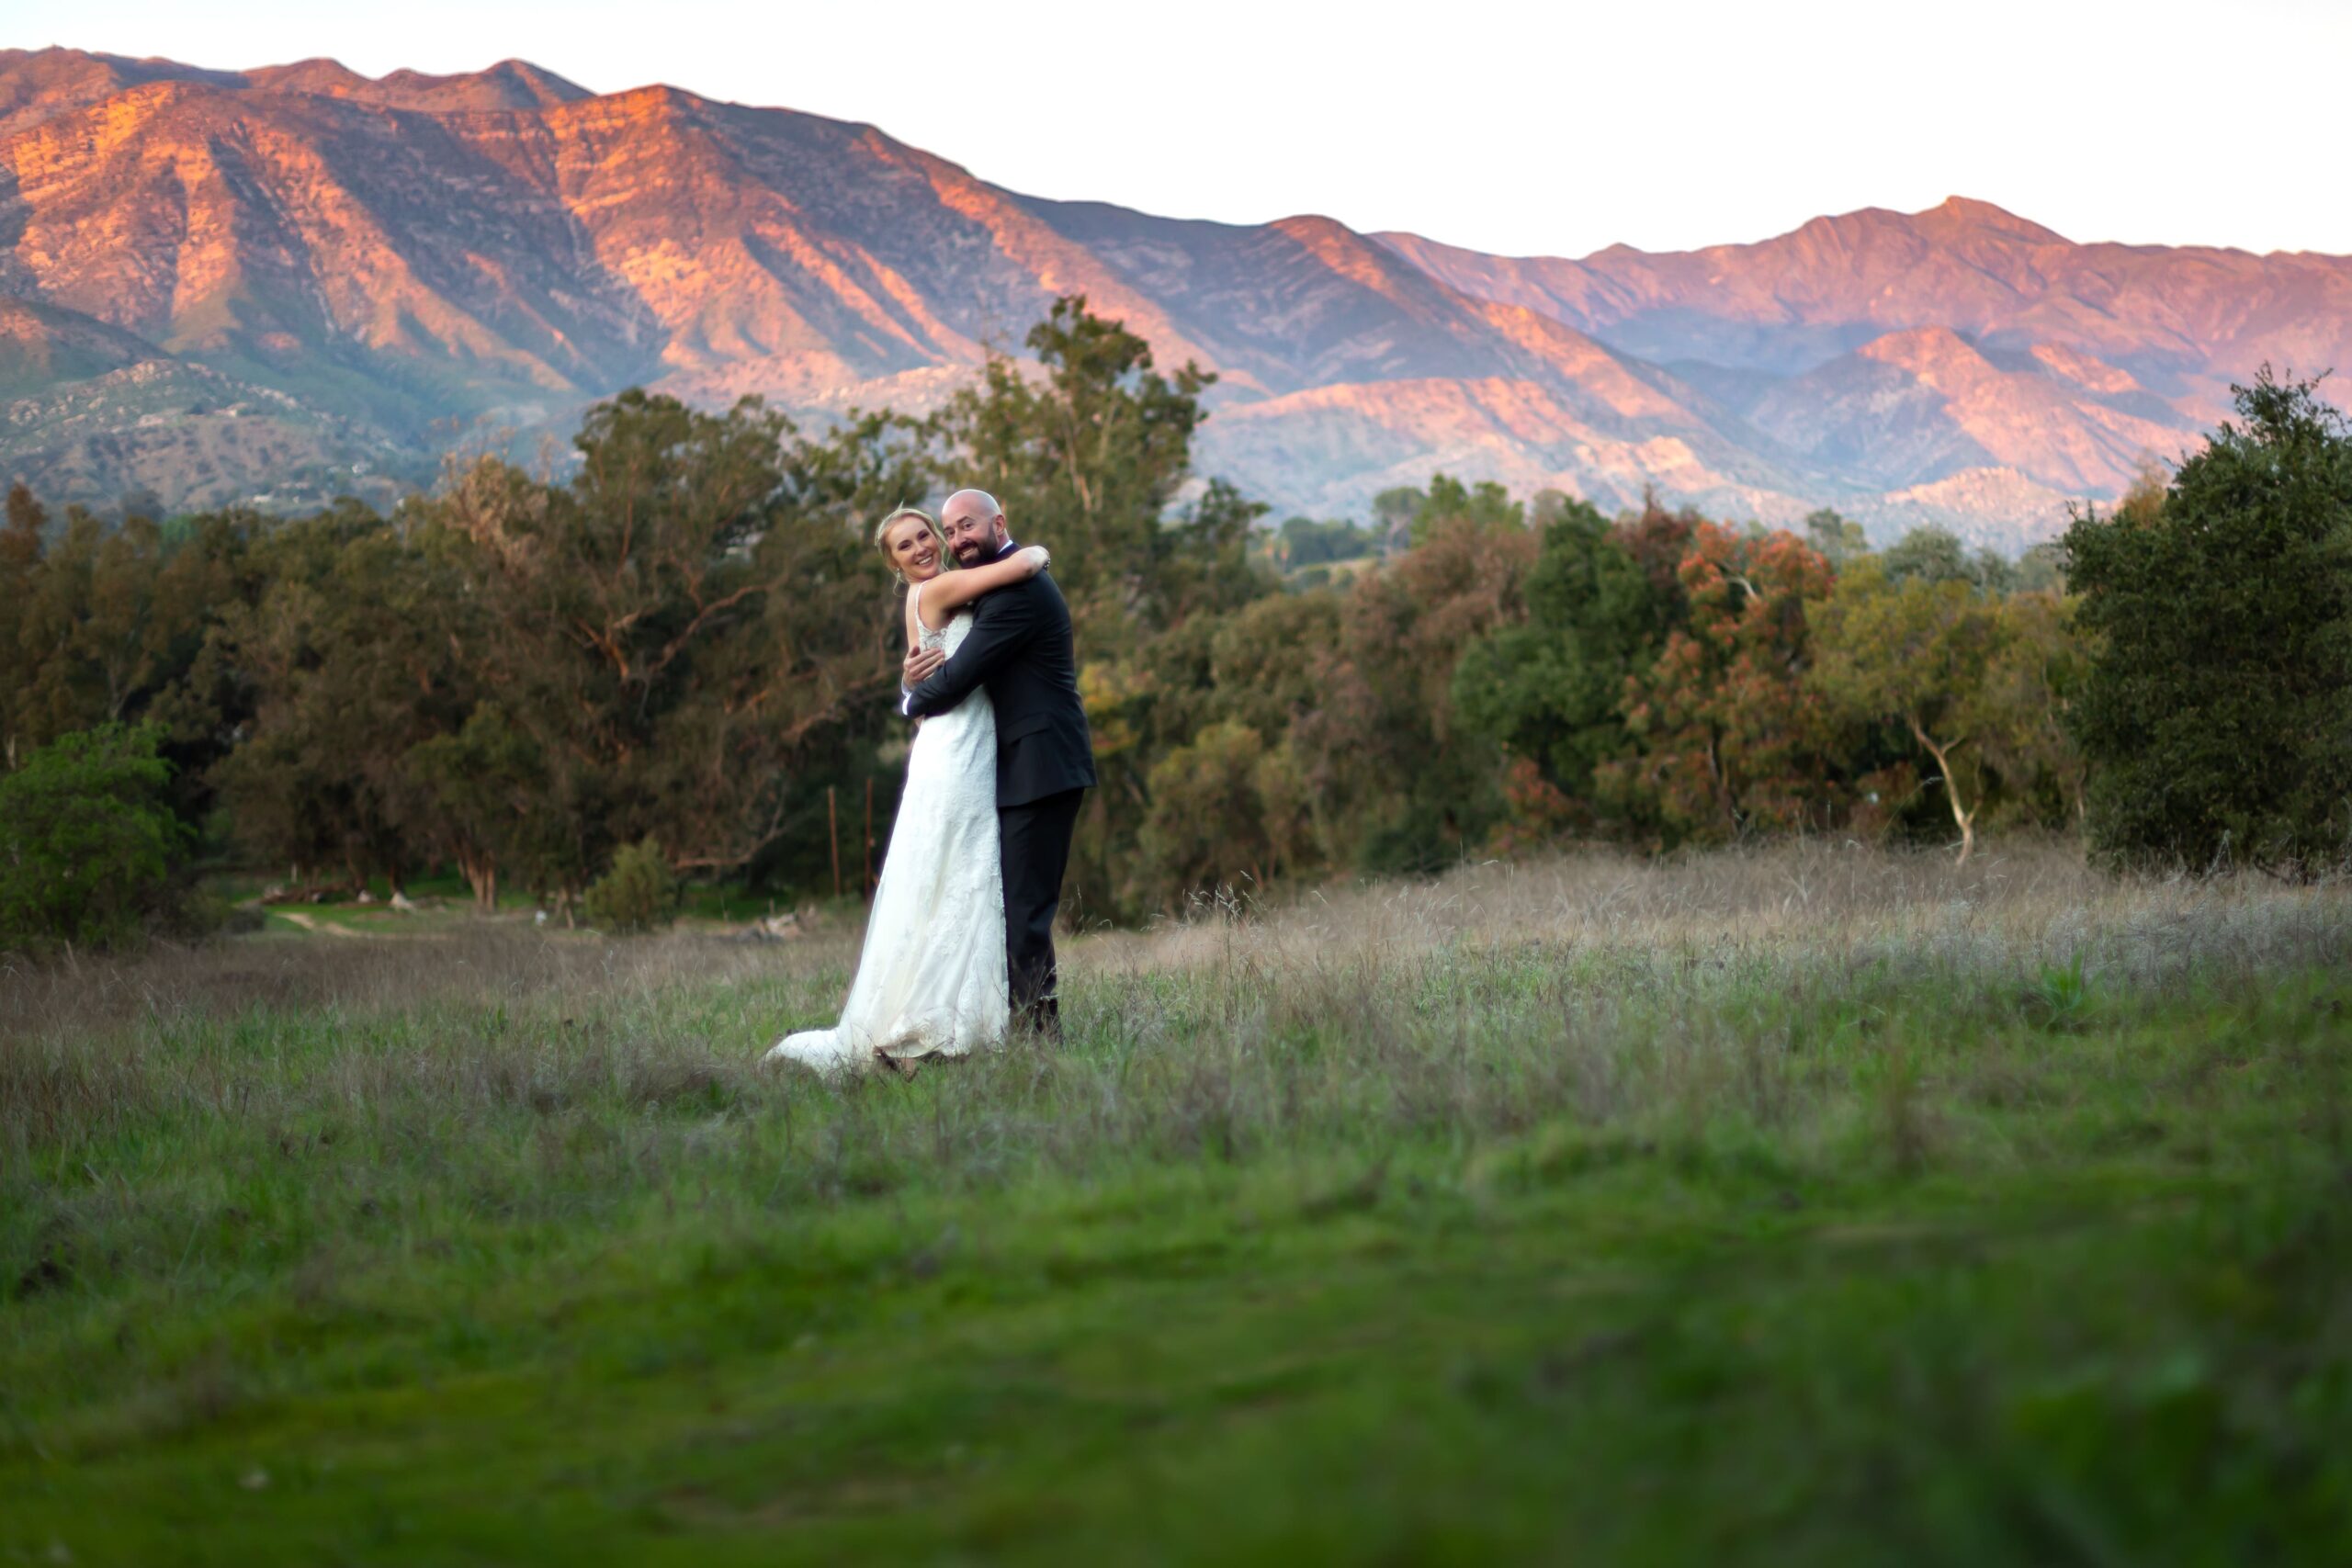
[{"x": 978, "y": 552}]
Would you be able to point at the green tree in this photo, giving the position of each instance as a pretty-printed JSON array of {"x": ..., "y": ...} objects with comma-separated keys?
[
  {"x": 1919, "y": 650},
  {"x": 2042, "y": 570},
  {"x": 106, "y": 620},
  {"x": 22, "y": 548},
  {"x": 89, "y": 848},
  {"x": 687, "y": 638},
  {"x": 1838, "y": 540},
  {"x": 108, "y": 625},
  {"x": 1400, "y": 783},
  {"x": 1090, "y": 463},
  {"x": 1552, "y": 689},
  {"x": 1659, "y": 540},
  {"x": 2036, "y": 673},
  {"x": 1266, "y": 662},
  {"x": 347, "y": 668},
  {"x": 1393, "y": 510},
  {"x": 488, "y": 782},
  {"x": 1225, "y": 809},
  {"x": 1936, "y": 554},
  {"x": 1302, "y": 542},
  {"x": 1205, "y": 567},
  {"x": 1259, "y": 666},
  {"x": 2216, "y": 711},
  {"x": 1450, "y": 501}
]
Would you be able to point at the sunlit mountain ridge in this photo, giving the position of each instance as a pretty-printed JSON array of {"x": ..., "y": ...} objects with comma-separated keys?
[{"x": 287, "y": 283}]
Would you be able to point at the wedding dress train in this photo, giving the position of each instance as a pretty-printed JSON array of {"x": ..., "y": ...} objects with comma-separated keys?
[{"x": 931, "y": 979}]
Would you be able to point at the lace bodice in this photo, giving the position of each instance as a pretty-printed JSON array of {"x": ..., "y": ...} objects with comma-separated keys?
[{"x": 948, "y": 638}]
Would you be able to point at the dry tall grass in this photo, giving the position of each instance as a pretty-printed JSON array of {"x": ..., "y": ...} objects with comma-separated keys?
[
  {"x": 1803, "y": 905},
  {"x": 1597, "y": 987}
]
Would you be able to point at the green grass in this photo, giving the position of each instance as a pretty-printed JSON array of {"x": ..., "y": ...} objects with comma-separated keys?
[{"x": 1797, "y": 1208}]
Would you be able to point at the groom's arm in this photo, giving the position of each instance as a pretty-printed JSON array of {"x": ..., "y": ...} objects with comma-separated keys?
[{"x": 1002, "y": 624}]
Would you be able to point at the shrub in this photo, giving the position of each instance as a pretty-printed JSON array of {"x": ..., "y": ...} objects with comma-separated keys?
[
  {"x": 638, "y": 894},
  {"x": 89, "y": 852},
  {"x": 1224, "y": 808}
]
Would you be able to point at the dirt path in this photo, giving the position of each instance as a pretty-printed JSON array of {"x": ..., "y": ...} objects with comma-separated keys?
[{"x": 312, "y": 923}]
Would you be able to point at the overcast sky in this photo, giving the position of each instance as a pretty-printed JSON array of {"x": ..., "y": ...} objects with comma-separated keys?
[{"x": 1549, "y": 128}]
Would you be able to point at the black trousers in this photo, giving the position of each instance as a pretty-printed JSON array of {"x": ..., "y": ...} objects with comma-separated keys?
[{"x": 1036, "y": 839}]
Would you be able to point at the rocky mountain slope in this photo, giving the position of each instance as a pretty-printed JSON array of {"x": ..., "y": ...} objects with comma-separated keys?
[
  {"x": 296, "y": 281},
  {"x": 1961, "y": 347}
]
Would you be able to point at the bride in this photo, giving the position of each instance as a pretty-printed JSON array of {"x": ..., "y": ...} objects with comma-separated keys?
[{"x": 931, "y": 979}]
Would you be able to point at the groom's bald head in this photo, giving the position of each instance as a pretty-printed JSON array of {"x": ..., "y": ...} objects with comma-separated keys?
[{"x": 974, "y": 524}]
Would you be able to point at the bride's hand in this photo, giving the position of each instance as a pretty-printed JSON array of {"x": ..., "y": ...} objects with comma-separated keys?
[{"x": 1037, "y": 556}]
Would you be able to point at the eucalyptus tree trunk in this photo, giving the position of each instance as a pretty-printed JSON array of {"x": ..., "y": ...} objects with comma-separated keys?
[{"x": 1962, "y": 813}]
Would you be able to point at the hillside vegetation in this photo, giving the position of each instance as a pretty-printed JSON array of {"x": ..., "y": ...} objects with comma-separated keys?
[
  {"x": 690, "y": 645},
  {"x": 690, "y": 642}
]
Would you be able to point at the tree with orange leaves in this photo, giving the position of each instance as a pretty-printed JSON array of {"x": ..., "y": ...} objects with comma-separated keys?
[{"x": 1728, "y": 737}]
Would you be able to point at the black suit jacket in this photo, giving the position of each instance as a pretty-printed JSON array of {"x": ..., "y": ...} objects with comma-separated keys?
[{"x": 1020, "y": 648}]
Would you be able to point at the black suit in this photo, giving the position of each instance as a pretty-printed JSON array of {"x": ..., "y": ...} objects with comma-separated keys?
[{"x": 1020, "y": 648}]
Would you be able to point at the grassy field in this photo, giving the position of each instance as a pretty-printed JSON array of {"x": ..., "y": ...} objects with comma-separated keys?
[{"x": 1813, "y": 1206}]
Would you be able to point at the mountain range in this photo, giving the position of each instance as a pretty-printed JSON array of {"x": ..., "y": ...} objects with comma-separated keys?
[{"x": 278, "y": 284}]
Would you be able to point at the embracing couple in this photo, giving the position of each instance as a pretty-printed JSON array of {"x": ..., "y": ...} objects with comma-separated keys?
[{"x": 960, "y": 940}]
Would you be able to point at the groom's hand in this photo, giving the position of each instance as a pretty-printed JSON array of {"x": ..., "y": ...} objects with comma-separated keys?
[{"x": 919, "y": 664}]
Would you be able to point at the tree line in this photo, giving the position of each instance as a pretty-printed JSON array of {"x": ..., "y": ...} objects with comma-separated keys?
[{"x": 680, "y": 643}]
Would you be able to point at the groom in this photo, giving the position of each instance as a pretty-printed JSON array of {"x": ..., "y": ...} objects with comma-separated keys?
[{"x": 1020, "y": 648}]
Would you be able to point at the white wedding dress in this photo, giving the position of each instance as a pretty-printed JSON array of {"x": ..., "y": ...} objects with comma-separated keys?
[{"x": 930, "y": 980}]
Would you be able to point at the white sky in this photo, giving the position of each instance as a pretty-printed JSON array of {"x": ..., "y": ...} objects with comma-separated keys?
[{"x": 1539, "y": 128}]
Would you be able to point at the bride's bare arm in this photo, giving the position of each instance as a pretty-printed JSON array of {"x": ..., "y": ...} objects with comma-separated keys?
[
  {"x": 919, "y": 660},
  {"x": 951, "y": 591}
]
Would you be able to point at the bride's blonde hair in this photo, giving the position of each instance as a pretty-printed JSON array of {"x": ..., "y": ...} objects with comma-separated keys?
[{"x": 938, "y": 538}]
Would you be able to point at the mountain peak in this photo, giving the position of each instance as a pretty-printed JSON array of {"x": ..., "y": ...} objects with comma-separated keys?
[
  {"x": 320, "y": 74},
  {"x": 38, "y": 84},
  {"x": 1959, "y": 214},
  {"x": 655, "y": 97},
  {"x": 509, "y": 84},
  {"x": 1305, "y": 226},
  {"x": 1348, "y": 254}
]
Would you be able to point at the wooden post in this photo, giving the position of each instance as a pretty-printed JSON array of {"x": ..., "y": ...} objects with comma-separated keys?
[
  {"x": 869, "y": 838},
  {"x": 833, "y": 833}
]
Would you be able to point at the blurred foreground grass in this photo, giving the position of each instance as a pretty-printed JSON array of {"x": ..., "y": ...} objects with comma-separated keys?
[{"x": 1808, "y": 1205}]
